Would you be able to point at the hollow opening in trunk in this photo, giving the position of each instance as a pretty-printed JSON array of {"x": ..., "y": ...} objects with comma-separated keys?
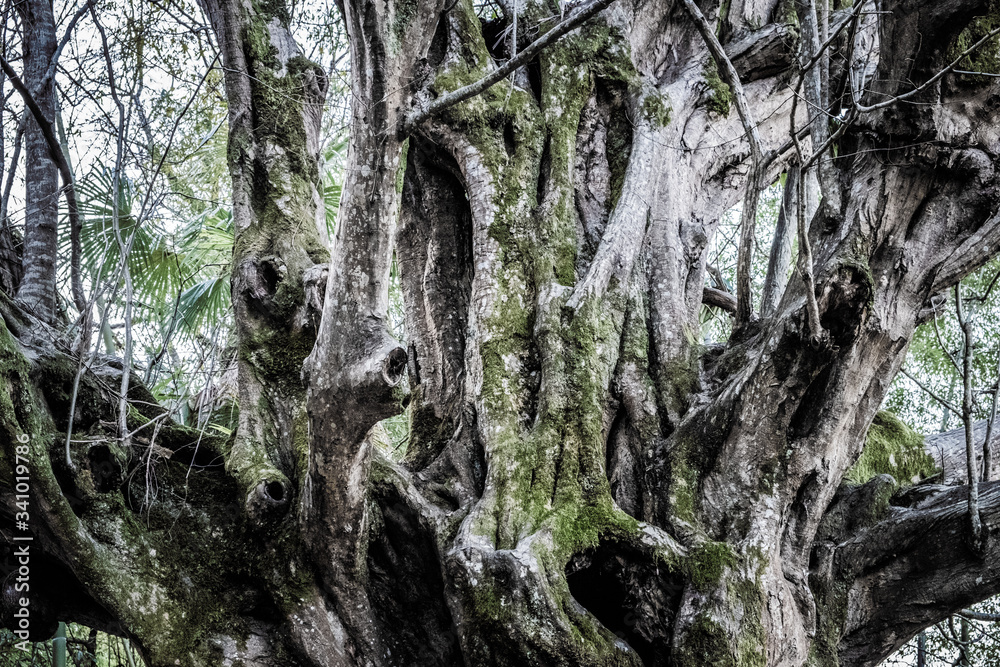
[
  {"x": 104, "y": 470},
  {"x": 606, "y": 583}
]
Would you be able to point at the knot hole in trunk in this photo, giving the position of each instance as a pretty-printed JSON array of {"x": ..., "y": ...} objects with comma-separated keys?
[{"x": 394, "y": 366}]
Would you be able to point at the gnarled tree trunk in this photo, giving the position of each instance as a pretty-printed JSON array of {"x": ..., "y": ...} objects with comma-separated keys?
[{"x": 585, "y": 482}]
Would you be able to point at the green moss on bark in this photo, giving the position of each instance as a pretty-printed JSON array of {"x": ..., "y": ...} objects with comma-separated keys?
[
  {"x": 720, "y": 95},
  {"x": 706, "y": 643},
  {"x": 707, "y": 563},
  {"x": 656, "y": 107},
  {"x": 892, "y": 448},
  {"x": 985, "y": 59}
]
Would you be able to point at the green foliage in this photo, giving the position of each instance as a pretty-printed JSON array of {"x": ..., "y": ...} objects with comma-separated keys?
[
  {"x": 83, "y": 648},
  {"x": 892, "y": 448},
  {"x": 151, "y": 253},
  {"x": 936, "y": 349},
  {"x": 206, "y": 248}
]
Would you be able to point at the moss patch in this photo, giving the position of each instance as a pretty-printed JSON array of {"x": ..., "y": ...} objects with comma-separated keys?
[
  {"x": 656, "y": 108},
  {"x": 706, "y": 564},
  {"x": 986, "y": 58},
  {"x": 705, "y": 643},
  {"x": 720, "y": 95},
  {"x": 892, "y": 448}
]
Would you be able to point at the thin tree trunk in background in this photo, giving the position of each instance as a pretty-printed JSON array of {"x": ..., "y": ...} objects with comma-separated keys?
[
  {"x": 780, "y": 259},
  {"x": 41, "y": 239},
  {"x": 963, "y": 650},
  {"x": 991, "y": 422},
  {"x": 11, "y": 266},
  {"x": 945, "y": 412},
  {"x": 972, "y": 473}
]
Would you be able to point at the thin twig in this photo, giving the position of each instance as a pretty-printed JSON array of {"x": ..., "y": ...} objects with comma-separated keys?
[
  {"x": 989, "y": 289},
  {"x": 905, "y": 96},
  {"x": 979, "y": 616},
  {"x": 930, "y": 392},
  {"x": 9, "y": 184},
  {"x": 944, "y": 348},
  {"x": 123, "y": 248}
]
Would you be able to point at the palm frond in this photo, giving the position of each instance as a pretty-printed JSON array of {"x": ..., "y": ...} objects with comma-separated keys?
[{"x": 206, "y": 302}]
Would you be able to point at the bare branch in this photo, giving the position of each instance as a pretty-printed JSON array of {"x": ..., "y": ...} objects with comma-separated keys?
[
  {"x": 51, "y": 71},
  {"x": 946, "y": 404},
  {"x": 720, "y": 299},
  {"x": 9, "y": 183},
  {"x": 931, "y": 81},
  {"x": 805, "y": 261},
  {"x": 944, "y": 348},
  {"x": 748, "y": 217},
  {"x": 781, "y": 245},
  {"x": 123, "y": 247},
  {"x": 979, "y": 616},
  {"x": 915, "y": 549},
  {"x": 731, "y": 77}
]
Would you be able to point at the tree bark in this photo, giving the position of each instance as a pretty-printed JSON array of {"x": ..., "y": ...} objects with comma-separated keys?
[
  {"x": 37, "y": 288},
  {"x": 276, "y": 98},
  {"x": 584, "y": 482}
]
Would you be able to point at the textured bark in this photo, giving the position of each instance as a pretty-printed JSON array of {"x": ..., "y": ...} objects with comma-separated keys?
[
  {"x": 37, "y": 288},
  {"x": 585, "y": 483},
  {"x": 275, "y": 104}
]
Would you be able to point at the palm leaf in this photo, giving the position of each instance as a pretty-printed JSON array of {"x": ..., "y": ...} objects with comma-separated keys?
[
  {"x": 206, "y": 302},
  {"x": 152, "y": 255}
]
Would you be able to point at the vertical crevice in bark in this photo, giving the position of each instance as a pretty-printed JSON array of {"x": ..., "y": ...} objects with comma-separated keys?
[
  {"x": 434, "y": 246},
  {"x": 406, "y": 586},
  {"x": 637, "y": 428},
  {"x": 603, "y": 149}
]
